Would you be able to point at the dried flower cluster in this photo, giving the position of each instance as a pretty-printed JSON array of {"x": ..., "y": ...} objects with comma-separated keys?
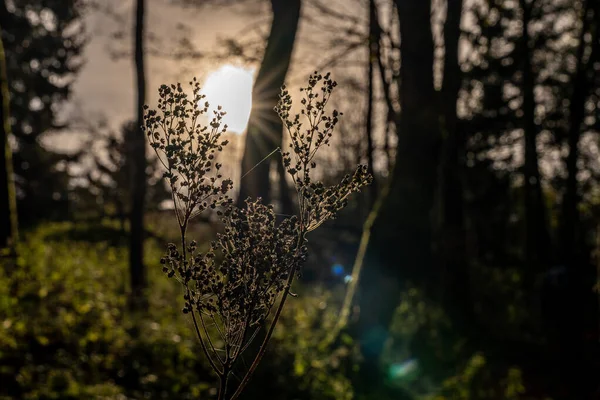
[
  {"x": 317, "y": 203},
  {"x": 187, "y": 149},
  {"x": 248, "y": 270},
  {"x": 239, "y": 278}
]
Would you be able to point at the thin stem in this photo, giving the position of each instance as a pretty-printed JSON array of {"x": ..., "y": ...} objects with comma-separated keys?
[
  {"x": 212, "y": 316},
  {"x": 244, "y": 332},
  {"x": 248, "y": 343},
  {"x": 183, "y": 229},
  {"x": 204, "y": 348},
  {"x": 359, "y": 260},
  {"x": 212, "y": 346},
  {"x": 261, "y": 161},
  {"x": 223, "y": 384}
]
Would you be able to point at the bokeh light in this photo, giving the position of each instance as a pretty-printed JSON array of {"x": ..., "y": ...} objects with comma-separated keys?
[
  {"x": 337, "y": 269},
  {"x": 403, "y": 370}
]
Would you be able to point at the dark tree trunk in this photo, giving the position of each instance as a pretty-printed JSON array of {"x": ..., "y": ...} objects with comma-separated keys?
[
  {"x": 400, "y": 247},
  {"x": 373, "y": 53},
  {"x": 265, "y": 130},
  {"x": 577, "y": 311},
  {"x": 8, "y": 204},
  {"x": 571, "y": 235},
  {"x": 137, "y": 160},
  {"x": 453, "y": 247},
  {"x": 537, "y": 238}
]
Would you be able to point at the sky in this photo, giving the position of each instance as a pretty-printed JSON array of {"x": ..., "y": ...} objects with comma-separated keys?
[
  {"x": 104, "y": 89},
  {"x": 106, "y": 86}
]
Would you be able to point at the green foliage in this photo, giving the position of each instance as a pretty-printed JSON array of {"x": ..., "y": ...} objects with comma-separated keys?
[
  {"x": 422, "y": 347},
  {"x": 478, "y": 380},
  {"x": 66, "y": 332},
  {"x": 428, "y": 359},
  {"x": 322, "y": 371}
]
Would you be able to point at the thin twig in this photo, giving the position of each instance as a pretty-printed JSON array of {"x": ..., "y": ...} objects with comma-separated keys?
[
  {"x": 261, "y": 161},
  {"x": 210, "y": 360}
]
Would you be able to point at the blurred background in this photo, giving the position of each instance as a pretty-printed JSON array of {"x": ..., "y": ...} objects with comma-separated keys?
[{"x": 467, "y": 270}]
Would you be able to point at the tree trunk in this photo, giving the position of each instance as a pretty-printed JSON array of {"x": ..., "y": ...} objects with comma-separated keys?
[
  {"x": 8, "y": 205},
  {"x": 577, "y": 312},
  {"x": 537, "y": 238},
  {"x": 137, "y": 160},
  {"x": 571, "y": 235},
  {"x": 400, "y": 247},
  {"x": 453, "y": 247},
  {"x": 265, "y": 130},
  {"x": 373, "y": 53}
]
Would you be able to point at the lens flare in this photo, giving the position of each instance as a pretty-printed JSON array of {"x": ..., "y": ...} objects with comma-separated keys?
[
  {"x": 403, "y": 369},
  {"x": 337, "y": 269}
]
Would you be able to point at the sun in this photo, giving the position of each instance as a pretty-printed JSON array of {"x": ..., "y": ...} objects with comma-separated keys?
[{"x": 231, "y": 87}]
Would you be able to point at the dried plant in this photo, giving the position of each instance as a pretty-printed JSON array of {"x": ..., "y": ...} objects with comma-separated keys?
[{"x": 246, "y": 274}]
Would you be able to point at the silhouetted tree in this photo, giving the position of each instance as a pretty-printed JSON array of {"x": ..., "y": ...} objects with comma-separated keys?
[
  {"x": 265, "y": 131},
  {"x": 537, "y": 237},
  {"x": 8, "y": 211},
  {"x": 577, "y": 315},
  {"x": 107, "y": 190},
  {"x": 373, "y": 53},
  {"x": 136, "y": 143},
  {"x": 401, "y": 244},
  {"x": 43, "y": 42},
  {"x": 453, "y": 234},
  {"x": 571, "y": 233}
]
